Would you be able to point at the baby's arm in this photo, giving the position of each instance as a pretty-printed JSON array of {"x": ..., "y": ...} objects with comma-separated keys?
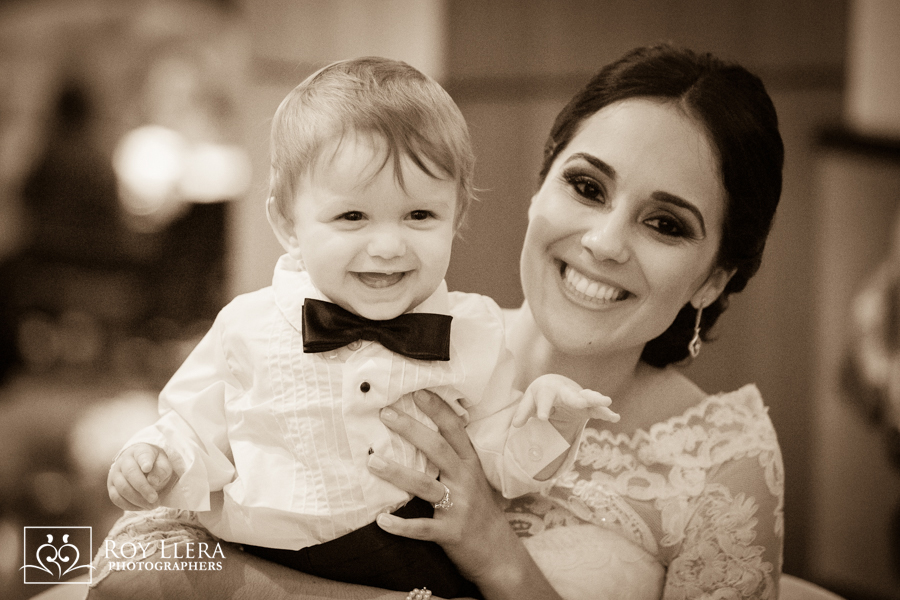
[
  {"x": 564, "y": 403},
  {"x": 137, "y": 476},
  {"x": 189, "y": 440}
]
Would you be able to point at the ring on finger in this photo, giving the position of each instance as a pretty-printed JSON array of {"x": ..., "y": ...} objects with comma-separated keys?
[
  {"x": 445, "y": 501},
  {"x": 418, "y": 594}
]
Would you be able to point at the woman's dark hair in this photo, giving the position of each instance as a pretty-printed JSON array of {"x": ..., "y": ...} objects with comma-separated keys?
[{"x": 739, "y": 117}]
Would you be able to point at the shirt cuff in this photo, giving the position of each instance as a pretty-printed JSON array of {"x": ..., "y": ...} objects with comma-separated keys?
[
  {"x": 190, "y": 490},
  {"x": 535, "y": 445}
]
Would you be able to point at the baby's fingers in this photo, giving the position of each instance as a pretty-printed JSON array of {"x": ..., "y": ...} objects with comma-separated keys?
[
  {"x": 525, "y": 409},
  {"x": 123, "y": 494},
  {"x": 604, "y": 413},
  {"x": 135, "y": 483},
  {"x": 597, "y": 406},
  {"x": 161, "y": 473},
  {"x": 592, "y": 398},
  {"x": 546, "y": 398},
  {"x": 120, "y": 500},
  {"x": 145, "y": 456}
]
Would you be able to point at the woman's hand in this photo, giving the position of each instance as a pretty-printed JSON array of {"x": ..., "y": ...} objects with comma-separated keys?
[{"x": 473, "y": 531}]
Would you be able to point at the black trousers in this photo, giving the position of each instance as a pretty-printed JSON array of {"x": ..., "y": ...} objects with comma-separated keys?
[{"x": 371, "y": 556}]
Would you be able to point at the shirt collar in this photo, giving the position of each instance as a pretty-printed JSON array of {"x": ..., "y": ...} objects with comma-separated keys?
[{"x": 292, "y": 286}]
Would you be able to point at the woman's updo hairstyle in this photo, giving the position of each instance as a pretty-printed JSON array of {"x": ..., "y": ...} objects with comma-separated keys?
[{"x": 739, "y": 117}]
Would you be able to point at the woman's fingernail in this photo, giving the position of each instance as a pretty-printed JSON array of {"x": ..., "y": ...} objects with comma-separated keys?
[
  {"x": 388, "y": 414},
  {"x": 422, "y": 396},
  {"x": 384, "y": 520},
  {"x": 376, "y": 462}
]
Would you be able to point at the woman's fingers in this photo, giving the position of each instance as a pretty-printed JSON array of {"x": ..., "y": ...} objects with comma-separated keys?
[
  {"x": 449, "y": 423},
  {"x": 429, "y": 442},
  {"x": 430, "y": 530},
  {"x": 409, "y": 480},
  {"x": 445, "y": 447}
]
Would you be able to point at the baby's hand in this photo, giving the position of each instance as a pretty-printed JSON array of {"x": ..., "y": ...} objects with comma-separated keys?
[
  {"x": 137, "y": 476},
  {"x": 558, "y": 398}
]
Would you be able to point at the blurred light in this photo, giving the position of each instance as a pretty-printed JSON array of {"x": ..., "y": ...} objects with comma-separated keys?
[
  {"x": 160, "y": 171},
  {"x": 215, "y": 172},
  {"x": 149, "y": 162}
]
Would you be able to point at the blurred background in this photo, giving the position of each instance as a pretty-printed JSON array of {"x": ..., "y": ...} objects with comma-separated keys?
[{"x": 133, "y": 167}]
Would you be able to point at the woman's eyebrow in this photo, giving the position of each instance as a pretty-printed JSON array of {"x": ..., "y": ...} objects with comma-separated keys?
[
  {"x": 660, "y": 196},
  {"x": 595, "y": 162},
  {"x": 682, "y": 203}
]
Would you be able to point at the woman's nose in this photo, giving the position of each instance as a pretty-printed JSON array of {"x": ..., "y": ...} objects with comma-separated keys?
[
  {"x": 386, "y": 244},
  {"x": 607, "y": 239}
]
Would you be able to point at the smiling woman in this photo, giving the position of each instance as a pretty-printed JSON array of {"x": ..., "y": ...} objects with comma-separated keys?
[
  {"x": 658, "y": 189},
  {"x": 624, "y": 230}
]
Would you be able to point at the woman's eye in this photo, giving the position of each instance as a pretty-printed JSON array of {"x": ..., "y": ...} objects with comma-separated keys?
[
  {"x": 586, "y": 187},
  {"x": 353, "y": 215},
  {"x": 667, "y": 226},
  {"x": 420, "y": 215}
]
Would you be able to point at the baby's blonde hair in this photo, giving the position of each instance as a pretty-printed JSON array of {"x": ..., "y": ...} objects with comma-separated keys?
[{"x": 405, "y": 108}]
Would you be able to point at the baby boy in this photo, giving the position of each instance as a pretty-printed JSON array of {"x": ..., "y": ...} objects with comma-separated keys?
[{"x": 266, "y": 429}]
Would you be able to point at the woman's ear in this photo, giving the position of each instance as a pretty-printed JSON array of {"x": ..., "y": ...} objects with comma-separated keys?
[
  {"x": 712, "y": 288},
  {"x": 283, "y": 229}
]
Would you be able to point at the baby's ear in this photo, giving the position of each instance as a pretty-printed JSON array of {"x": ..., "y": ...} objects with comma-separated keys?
[{"x": 283, "y": 228}]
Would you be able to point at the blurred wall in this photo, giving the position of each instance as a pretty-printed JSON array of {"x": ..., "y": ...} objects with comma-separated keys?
[{"x": 511, "y": 65}]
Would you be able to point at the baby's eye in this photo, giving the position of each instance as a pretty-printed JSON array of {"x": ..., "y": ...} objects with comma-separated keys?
[
  {"x": 420, "y": 215},
  {"x": 353, "y": 215}
]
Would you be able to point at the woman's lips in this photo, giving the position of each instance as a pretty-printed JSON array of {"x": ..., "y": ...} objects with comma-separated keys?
[
  {"x": 591, "y": 289},
  {"x": 380, "y": 280}
]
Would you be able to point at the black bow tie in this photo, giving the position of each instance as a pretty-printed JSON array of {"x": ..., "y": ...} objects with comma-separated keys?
[{"x": 423, "y": 336}]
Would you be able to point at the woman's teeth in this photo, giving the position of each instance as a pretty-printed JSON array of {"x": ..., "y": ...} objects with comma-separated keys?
[{"x": 593, "y": 290}]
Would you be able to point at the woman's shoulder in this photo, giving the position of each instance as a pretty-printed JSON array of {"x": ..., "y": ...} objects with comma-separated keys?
[{"x": 672, "y": 401}]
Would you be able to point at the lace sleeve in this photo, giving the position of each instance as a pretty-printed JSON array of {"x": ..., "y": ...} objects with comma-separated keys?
[{"x": 734, "y": 536}]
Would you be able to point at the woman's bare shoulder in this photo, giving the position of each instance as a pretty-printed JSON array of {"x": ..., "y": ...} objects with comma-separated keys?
[{"x": 655, "y": 396}]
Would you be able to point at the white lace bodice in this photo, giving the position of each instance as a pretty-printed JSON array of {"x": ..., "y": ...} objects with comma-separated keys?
[{"x": 692, "y": 508}]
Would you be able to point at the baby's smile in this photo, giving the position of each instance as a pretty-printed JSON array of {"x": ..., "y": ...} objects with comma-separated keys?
[{"x": 380, "y": 280}]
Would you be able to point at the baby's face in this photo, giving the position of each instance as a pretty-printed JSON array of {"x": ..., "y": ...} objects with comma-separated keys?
[{"x": 376, "y": 248}]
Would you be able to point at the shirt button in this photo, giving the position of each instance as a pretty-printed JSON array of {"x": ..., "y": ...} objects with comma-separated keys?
[
  {"x": 354, "y": 345},
  {"x": 333, "y": 355},
  {"x": 535, "y": 453},
  {"x": 364, "y": 387}
]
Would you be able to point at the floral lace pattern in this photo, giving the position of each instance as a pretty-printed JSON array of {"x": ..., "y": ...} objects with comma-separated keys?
[{"x": 702, "y": 494}]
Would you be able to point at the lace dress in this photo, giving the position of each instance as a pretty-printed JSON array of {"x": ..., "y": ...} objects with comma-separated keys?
[{"x": 692, "y": 508}]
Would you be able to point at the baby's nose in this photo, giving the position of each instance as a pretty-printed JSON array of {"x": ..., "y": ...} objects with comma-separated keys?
[{"x": 386, "y": 244}]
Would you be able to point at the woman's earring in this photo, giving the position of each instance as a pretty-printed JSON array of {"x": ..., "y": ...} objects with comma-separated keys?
[{"x": 695, "y": 343}]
